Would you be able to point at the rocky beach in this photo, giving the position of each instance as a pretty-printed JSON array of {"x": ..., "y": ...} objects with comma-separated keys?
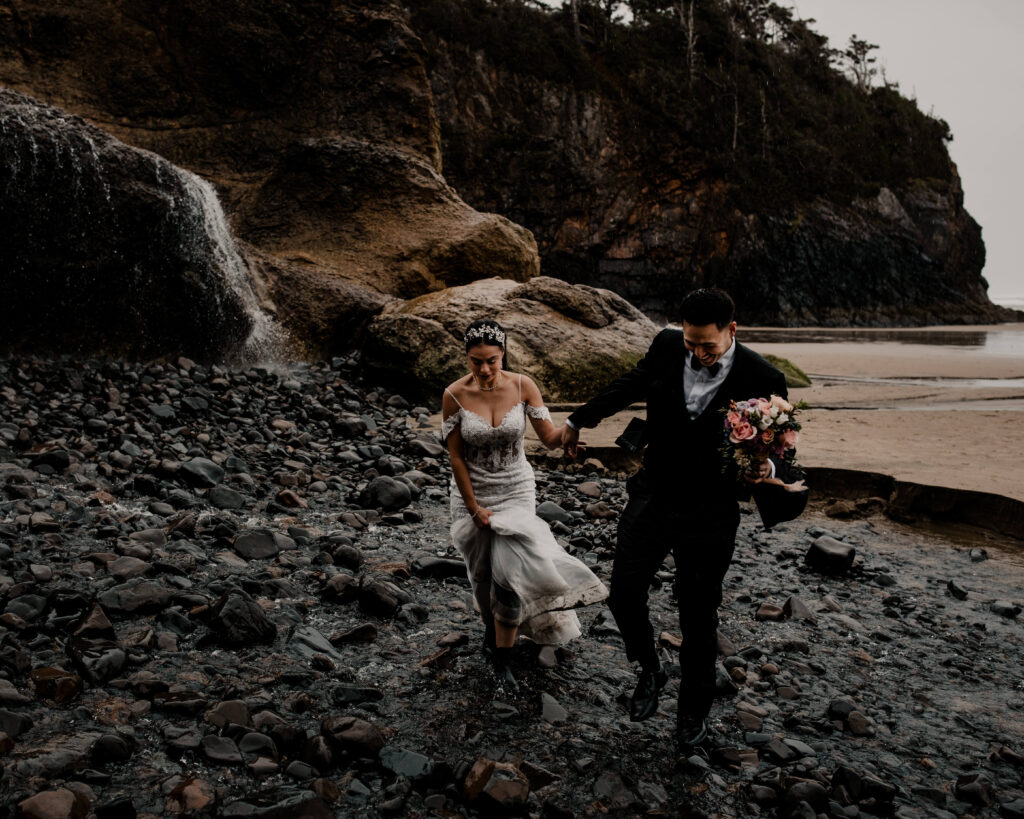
[{"x": 230, "y": 592}]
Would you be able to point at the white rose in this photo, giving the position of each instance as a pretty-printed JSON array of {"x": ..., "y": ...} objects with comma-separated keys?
[{"x": 782, "y": 418}]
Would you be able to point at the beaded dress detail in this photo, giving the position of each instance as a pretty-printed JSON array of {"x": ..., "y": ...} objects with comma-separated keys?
[{"x": 519, "y": 572}]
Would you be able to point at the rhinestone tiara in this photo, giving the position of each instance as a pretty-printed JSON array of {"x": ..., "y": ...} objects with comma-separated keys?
[{"x": 486, "y": 334}]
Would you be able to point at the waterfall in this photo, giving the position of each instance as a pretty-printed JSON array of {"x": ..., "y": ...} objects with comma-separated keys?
[
  {"x": 266, "y": 338},
  {"x": 100, "y": 232}
]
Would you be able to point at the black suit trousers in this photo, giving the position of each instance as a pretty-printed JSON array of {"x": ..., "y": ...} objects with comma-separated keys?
[{"x": 702, "y": 543}]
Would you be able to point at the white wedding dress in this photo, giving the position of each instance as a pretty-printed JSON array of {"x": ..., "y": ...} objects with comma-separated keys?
[{"x": 520, "y": 574}]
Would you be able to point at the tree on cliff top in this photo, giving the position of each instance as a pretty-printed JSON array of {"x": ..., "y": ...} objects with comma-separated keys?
[{"x": 746, "y": 83}]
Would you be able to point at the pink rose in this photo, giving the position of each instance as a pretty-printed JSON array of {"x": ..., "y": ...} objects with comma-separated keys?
[
  {"x": 742, "y": 432},
  {"x": 732, "y": 419},
  {"x": 781, "y": 403},
  {"x": 763, "y": 408},
  {"x": 789, "y": 438},
  {"x": 768, "y": 436}
]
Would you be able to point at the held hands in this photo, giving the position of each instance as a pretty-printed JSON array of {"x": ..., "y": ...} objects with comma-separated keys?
[
  {"x": 482, "y": 518},
  {"x": 571, "y": 443}
]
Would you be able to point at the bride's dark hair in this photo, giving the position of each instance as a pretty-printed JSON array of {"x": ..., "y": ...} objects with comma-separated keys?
[{"x": 487, "y": 331}]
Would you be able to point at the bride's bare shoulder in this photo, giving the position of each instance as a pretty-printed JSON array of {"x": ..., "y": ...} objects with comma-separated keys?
[{"x": 459, "y": 386}]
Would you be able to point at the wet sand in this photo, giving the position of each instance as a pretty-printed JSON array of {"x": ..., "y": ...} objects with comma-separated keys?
[{"x": 938, "y": 414}]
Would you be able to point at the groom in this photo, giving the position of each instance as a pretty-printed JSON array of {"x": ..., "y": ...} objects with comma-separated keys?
[{"x": 680, "y": 501}]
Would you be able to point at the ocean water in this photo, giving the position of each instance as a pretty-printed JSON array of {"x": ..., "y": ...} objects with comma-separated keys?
[{"x": 1014, "y": 301}]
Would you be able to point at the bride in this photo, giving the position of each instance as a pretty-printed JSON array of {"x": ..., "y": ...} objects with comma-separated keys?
[{"x": 523, "y": 580}]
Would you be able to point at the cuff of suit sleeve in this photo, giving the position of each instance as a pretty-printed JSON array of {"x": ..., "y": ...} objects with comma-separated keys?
[{"x": 570, "y": 424}]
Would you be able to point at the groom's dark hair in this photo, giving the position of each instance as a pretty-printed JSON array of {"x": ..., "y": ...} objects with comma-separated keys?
[{"x": 708, "y": 305}]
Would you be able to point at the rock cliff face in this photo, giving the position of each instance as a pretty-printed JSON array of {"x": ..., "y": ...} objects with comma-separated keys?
[
  {"x": 342, "y": 139},
  {"x": 616, "y": 203},
  {"x": 314, "y": 120}
]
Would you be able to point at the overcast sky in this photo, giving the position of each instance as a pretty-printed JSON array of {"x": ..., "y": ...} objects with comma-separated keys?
[{"x": 963, "y": 62}]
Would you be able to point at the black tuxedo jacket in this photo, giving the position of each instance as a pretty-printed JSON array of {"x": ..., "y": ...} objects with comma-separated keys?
[{"x": 683, "y": 457}]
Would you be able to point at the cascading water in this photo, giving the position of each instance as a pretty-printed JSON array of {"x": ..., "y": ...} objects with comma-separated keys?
[
  {"x": 266, "y": 339},
  {"x": 114, "y": 249}
]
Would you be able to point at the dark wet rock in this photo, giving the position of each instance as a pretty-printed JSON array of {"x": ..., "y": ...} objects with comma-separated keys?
[
  {"x": 551, "y": 710},
  {"x": 27, "y": 606},
  {"x": 353, "y": 736},
  {"x": 236, "y": 619},
  {"x": 956, "y": 590},
  {"x": 611, "y": 791},
  {"x": 363, "y": 633},
  {"x": 14, "y": 724},
  {"x": 302, "y": 805},
  {"x": 551, "y": 512},
  {"x": 224, "y": 497},
  {"x": 99, "y": 659},
  {"x": 221, "y": 750},
  {"x": 498, "y": 784},
  {"x": 202, "y": 472},
  {"x": 135, "y": 595},
  {"x": 438, "y": 567},
  {"x": 1005, "y": 609},
  {"x": 813, "y": 793},
  {"x": 1013, "y": 809},
  {"x": 405, "y": 763},
  {"x": 384, "y": 492},
  {"x": 9, "y": 695},
  {"x": 769, "y": 611},
  {"x": 55, "y": 684},
  {"x": 830, "y": 556},
  {"x": 308, "y": 642},
  {"x": 111, "y": 748},
  {"x": 796, "y": 609},
  {"x": 345, "y": 694},
  {"x": 122, "y": 807},
  {"x": 61, "y": 803},
  {"x": 348, "y": 556},
  {"x": 258, "y": 744},
  {"x": 228, "y": 712},
  {"x": 379, "y": 597},
  {"x": 975, "y": 788},
  {"x": 127, "y": 567},
  {"x": 261, "y": 544}
]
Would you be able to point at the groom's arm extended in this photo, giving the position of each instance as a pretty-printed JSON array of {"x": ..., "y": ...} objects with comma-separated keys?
[{"x": 623, "y": 391}]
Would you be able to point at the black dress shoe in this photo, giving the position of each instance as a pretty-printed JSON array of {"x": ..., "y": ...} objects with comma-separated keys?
[
  {"x": 645, "y": 697},
  {"x": 691, "y": 731}
]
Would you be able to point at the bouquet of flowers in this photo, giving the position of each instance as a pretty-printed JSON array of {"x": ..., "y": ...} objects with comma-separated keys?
[{"x": 759, "y": 428}]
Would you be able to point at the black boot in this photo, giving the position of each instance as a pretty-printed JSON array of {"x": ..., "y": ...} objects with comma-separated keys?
[{"x": 502, "y": 659}]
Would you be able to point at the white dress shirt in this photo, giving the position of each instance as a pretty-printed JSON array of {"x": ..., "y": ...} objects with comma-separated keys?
[{"x": 700, "y": 386}]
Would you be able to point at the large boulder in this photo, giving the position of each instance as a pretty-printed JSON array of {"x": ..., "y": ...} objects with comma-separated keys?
[{"x": 569, "y": 338}]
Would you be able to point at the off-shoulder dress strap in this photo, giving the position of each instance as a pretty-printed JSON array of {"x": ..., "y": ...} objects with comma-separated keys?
[
  {"x": 448, "y": 424},
  {"x": 456, "y": 400}
]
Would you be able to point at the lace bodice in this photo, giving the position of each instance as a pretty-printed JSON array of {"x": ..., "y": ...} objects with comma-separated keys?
[
  {"x": 493, "y": 448},
  {"x": 490, "y": 448}
]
